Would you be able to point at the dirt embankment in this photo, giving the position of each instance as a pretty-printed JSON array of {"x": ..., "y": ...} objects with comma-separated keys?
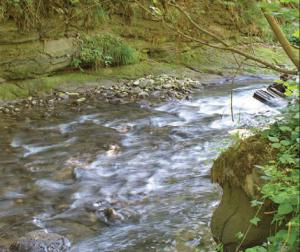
[{"x": 49, "y": 48}]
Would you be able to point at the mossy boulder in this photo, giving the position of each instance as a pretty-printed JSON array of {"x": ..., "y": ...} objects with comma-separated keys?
[
  {"x": 237, "y": 165},
  {"x": 235, "y": 170}
]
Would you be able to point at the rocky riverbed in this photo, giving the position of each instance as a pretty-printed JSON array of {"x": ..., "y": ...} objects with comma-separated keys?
[{"x": 159, "y": 88}]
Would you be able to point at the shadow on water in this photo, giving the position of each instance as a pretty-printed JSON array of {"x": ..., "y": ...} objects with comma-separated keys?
[{"x": 151, "y": 165}]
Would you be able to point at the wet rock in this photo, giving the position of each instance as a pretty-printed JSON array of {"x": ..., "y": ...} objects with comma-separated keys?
[
  {"x": 111, "y": 211},
  {"x": 143, "y": 94},
  {"x": 111, "y": 214},
  {"x": 41, "y": 241},
  {"x": 113, "y": 149}
]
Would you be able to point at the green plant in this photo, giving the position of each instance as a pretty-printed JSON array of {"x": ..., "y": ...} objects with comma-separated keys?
[
  {"x": 34, "y": 14},
  {"x": 281, "y": 182},
  {"x": 104, "y": 51}
]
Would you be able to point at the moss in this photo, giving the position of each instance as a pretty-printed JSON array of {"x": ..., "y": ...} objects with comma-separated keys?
[
  {"x": 239, "y": 160},
  {"x": 273, "y": 54},
  {"x": 62, "y": 81},
  {"x": 40, "y": 86}
]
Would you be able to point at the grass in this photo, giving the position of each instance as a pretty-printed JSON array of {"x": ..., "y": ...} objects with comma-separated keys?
[
  {"x": 65, "y": 80},
  {"x": 104, "y": 50}
]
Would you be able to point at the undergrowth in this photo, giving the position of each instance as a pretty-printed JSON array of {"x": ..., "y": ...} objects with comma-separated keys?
[
  {"x": 281, "y": 182},
  {"x": 104, "y": 51},
  {"x": 34, "y": 14}
]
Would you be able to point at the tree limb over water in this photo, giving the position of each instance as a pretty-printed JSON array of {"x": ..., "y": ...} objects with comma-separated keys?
[{"x": 161, "y": 14}]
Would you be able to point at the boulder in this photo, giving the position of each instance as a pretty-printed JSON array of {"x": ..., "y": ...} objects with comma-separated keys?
[
  {"x": 41, "y": 241},
  {"x": 233, "y": 215},
  {"x": 235, "y": 170}
]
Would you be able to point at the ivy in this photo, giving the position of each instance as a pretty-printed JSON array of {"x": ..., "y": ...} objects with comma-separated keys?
[{"x": 281, "y": 182}]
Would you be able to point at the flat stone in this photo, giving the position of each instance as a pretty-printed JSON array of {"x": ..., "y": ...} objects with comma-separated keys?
[{"x": 59, "y": 47}]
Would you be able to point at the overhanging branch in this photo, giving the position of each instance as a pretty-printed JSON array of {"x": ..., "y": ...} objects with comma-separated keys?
[{"x": 224, "y": 45}]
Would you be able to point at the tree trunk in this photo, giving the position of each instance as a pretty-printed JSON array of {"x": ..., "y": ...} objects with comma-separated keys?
[{"x": 290, "y": 51}]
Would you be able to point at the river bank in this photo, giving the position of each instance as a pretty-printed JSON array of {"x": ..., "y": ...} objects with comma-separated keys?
[{"x": 176, "y": 83}]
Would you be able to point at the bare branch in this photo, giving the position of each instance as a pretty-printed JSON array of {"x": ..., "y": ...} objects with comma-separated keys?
[
  {"x": 237, "y": 51},
  {"x": 224, "y": 45}
]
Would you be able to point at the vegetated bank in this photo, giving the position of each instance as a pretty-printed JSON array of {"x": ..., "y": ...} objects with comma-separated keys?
[
  {"x": 110, "y": 40},
  {"x": 259, "y": 210}
]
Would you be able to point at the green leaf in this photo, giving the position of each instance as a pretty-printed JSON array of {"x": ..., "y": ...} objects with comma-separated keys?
[
  {"x": 296, "y": 33},
  {"x": 255, "y": 221},
  {"x": 239, "y": 235},
  {"x": 285, "y": 128},
  {"x": 284, "y": 209},
  {"x": 285, "y": 142},
  {"x": 273, "y": 139},
  {"x": 255, "y": 203},
  {"x": 256, "y": 249},
  {"x": 276, "y": 145},
  {"x": 296, "y": 116}
]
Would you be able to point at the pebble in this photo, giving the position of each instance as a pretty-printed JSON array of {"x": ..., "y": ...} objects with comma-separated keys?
[
  {"x": 160, "y": 87},
  {"x": 80, "y": 100}
]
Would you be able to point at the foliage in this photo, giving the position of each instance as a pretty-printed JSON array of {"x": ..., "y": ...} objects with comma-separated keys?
[
  {"x": 244, "y": 11},
  {"x": 33, "y": 14},
  {"x": 282, "y": 183},
  {"x": 104, "y": 50},
  {"x": 292, "y": 35}
]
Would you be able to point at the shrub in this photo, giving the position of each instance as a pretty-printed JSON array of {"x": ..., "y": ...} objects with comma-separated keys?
[
  {"x": 281, "y": 176},
  {"x": 34, "y": 14},
  {"x": 103, "y": 51}
]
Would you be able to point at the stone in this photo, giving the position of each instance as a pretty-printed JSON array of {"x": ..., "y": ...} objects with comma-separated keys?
[
  {"x": 41, "y": 241},
  {"x": 136, "y": 83},
  {"x": 59, "y": 48},
  {"x": 143, "y": 94},
  {"x": 233, "y": 215},
  {"x": 112, "y": 214},
  {"x": 235, "y": 170},
  {"x": 81, "y": 100},
  {"x": 72, "y": 94}
]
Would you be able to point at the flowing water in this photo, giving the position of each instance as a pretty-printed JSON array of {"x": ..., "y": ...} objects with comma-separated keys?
[{"x": 149, "y": 163}]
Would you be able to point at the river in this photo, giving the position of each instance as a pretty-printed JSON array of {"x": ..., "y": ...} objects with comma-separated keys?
[{"x": 150, "y": 163}]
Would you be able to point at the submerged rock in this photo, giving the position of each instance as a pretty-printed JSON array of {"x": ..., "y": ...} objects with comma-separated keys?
[{"x": 41, "y": 241}]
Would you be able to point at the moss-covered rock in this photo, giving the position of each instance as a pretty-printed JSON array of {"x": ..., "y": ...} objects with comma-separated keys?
[
  {"x": 237, "y": 165},
  {"x": 236, "y": 172}
]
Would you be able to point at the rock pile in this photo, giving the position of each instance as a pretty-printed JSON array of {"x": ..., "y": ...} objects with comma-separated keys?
[{"x": 150, "y": 87}]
